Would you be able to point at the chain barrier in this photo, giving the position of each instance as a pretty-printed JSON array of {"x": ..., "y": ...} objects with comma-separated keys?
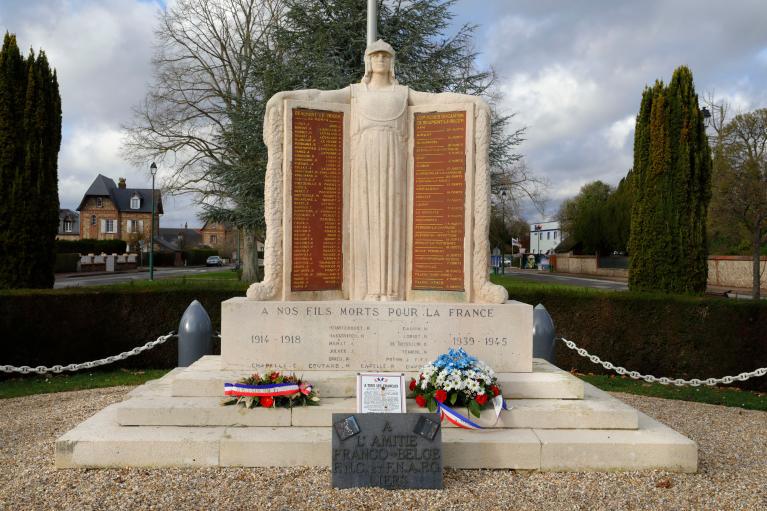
[
  {"x": 87, "y": 365},
  {"x": 679, "y": 382}
]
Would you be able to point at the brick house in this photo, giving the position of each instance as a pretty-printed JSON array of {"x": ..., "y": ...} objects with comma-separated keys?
[
  {"x": 217, "y": 235},
  {"x": 114, "y": 211}
]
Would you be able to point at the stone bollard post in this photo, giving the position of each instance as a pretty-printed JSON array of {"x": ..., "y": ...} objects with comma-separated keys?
[
  {"x": 544, "y": 334},
  {"x": 194, "y": 334}
]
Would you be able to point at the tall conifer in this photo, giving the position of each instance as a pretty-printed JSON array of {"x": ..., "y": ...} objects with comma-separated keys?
[
  {"x": 30, "y": 138},
  {"x": 672, "y": 183}
]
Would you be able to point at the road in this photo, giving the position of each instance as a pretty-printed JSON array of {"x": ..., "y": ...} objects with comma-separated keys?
[
  {"x": 558, "y": 278},
  {"x": 83, "y": 279}
]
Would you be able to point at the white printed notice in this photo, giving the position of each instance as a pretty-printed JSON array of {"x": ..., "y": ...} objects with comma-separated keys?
[{"x": 380, "y": 393}]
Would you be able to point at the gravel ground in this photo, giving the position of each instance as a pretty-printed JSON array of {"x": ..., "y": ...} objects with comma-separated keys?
[{"x": 732, "y": 471}]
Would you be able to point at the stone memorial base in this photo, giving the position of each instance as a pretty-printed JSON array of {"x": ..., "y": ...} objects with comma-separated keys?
[{"x": 557, "y": 423}]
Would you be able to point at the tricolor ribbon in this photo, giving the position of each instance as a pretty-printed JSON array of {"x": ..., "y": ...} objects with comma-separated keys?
[
  {"x": 269, "y": 390},
  {"x": 445, "y": 412}
]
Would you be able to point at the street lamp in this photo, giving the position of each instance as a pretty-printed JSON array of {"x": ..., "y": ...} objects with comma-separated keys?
[
  {"x": 505, "y": 233},
  {"x": 538, "y": 228},
  {"x": 153, "y": 170}
]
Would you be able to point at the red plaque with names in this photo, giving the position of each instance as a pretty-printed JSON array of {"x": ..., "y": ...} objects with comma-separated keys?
[
  {"x": 317, "y": 197},
  {"x": 439, "y": 154}
]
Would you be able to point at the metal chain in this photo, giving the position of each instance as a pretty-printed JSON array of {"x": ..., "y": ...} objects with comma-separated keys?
[
  {"x": 695, "y": 382},
  {"x": 87, "y": 365}
]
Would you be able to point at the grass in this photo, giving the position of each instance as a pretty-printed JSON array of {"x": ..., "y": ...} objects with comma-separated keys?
[
  {"x": 724, "y": 396},
  {"x": 38, "y": 384},
  {"x": 213, "y": 275}
]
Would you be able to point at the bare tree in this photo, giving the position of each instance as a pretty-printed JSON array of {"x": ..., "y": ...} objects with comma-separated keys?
[
  {"x": 202, "y": 65},
  {"x": 740, "y": 181}
]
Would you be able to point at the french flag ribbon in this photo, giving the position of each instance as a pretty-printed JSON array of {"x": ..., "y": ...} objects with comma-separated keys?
[
  {"x": 445, "y": 412},
  {"x": 269, "y": 390}
]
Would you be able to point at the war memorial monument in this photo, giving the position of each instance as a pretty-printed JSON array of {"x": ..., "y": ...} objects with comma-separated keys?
[{"x": 377, "y": 205}]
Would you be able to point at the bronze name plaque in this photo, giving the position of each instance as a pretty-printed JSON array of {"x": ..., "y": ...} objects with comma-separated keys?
[
  {"x": 317, "y": 183},
  {"x": 439, "y": 187}
]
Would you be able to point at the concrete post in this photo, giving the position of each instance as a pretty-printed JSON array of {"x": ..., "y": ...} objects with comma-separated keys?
[
  {"x": 194, "y": 334},
  {"x": 544, "y": 334}
]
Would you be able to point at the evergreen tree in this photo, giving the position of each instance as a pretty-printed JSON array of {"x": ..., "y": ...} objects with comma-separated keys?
[
  {"x": 672, "y": 185},
  {"x": 30, "y": 138}
]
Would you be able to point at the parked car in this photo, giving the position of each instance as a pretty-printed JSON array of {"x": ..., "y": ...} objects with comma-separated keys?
[{"x": 214, "y": 261}]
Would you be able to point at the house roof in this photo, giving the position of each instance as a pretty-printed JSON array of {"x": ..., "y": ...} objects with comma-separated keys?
[
  {"x": 103, "y": 186},
  {"x": 192, "y": 237},
  {"x": 226, "y": 225},
  {"x": 74, "y": 216}
]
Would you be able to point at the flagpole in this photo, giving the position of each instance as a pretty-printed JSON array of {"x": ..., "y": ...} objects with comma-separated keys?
[{"x": 372, "y": 19}]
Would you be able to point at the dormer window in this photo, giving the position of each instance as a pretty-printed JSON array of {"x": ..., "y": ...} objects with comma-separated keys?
[
  {"x": 99, "y": 202},
  {"x": 135, "y": 201},
  {"x": 67, "y": 225}
]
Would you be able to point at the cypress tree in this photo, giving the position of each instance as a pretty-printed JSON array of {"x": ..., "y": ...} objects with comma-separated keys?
[
  {"x": 30, "y": 138},
  {"x": 672, "y": 183}
]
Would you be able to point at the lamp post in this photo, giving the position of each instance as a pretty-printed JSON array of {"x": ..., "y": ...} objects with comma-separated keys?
[
  {"x": 153, "y": 170},
  {"x": 505, "y": 233},
  {"x": 538, "y": 228}
]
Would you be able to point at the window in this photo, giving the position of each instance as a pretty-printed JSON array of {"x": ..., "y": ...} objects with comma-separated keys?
[
  {"x": 548, "y": 235},
  {"x": 135, "y": 226},
  {"x": 213, "y": 238},
  {"x": 67, "y": 225},
  {"x": 110, "y": 226},
  {"x": 93, "y": 219},
  {"x": 99, "y": 202},
  {"x": 555, "y": 234},
  {"x": 135, "y": 202}
]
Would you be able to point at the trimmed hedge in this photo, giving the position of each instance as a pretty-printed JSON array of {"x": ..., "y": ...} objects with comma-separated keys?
[
  {"x": 198, "y": 257},
  {"x": 664, "y": 335},
  {"x": 661, "y": 335},
  {"x": 66, "y": 263},
  {"x": 78, "y": 326},
  {"x": 88, "y": 246}
]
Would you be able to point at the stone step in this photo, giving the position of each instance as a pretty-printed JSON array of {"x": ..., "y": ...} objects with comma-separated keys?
[
  {"x": 101, "y": 442},
  {"x": 204, "y": 378},
  {"x": 598, "y": 410}
]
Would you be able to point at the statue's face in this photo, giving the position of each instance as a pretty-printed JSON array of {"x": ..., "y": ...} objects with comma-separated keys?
[{"x": 380, "y": 62}]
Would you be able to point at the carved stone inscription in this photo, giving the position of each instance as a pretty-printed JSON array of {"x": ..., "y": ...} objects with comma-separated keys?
[
  {"x": 387, "y": 450},
  {"x": 317, "y": 183},
  {"x": 371, "y": 336},
  {"x": 439, "y": 154}
]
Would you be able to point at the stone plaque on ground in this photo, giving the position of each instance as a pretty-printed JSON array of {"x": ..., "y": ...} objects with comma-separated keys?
[
  {"x": 439, "y": 153},
  {"x": 371, "y": 336},
  {"x": 393, "y": 451}
]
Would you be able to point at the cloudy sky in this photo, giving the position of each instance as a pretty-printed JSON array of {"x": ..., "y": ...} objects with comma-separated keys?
[{"x": 572, "y": 71}]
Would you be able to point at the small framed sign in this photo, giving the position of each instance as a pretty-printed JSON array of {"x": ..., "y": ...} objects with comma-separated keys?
[{"x": 381, "y": 393}]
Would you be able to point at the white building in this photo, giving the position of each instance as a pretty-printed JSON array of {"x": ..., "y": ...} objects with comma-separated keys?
[{"x": 544, "y": 236}]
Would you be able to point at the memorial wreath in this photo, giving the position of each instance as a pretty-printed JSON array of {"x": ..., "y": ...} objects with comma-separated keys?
[
  {"x": 270, "y": 391},
  {"x": 456, "y": 379}
]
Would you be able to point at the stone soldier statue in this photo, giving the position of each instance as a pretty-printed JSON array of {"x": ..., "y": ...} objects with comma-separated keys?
[{"x": 378, "y": 190}]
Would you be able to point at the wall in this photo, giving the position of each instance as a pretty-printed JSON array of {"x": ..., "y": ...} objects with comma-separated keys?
[
  {"x": 734, "y": 271},
  {"x": 723, "y": 271},
  {"x": 586, "y": 265},
  {"x": 107, "y": 211}
]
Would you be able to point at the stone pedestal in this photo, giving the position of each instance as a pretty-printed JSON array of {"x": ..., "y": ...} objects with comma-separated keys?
[{"x": 363, "y": 336}]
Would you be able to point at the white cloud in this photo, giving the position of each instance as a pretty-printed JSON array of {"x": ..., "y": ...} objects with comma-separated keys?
[{"x": 617, "y": 134}]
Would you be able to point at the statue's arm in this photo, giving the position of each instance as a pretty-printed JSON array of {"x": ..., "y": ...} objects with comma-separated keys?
[
  {"x": 417, "y": 98},
  {"x": 326, "y": 96}
]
